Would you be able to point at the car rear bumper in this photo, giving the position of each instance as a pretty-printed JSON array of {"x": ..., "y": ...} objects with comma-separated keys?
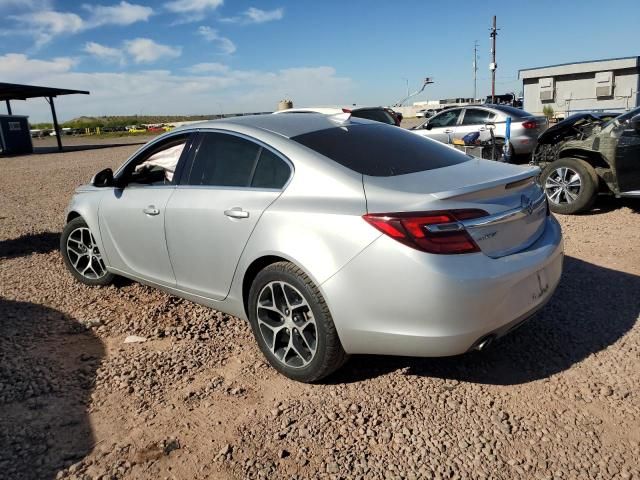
[
  {"x": 523, "y": 144},
  {"x": 394, "y": 300}
]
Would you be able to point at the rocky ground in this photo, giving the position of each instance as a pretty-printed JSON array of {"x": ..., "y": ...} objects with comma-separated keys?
[{"x": 556, "y": 399}]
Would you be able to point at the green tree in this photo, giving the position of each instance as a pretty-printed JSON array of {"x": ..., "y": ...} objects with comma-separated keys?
[{"x": 548, "y": 112}]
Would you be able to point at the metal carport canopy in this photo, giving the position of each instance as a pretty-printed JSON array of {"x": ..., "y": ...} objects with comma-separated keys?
[{"x": 14, "y": 91}]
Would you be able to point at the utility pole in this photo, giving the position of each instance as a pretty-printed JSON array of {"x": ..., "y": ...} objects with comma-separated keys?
[
  {"x": 407, "y": 82},
  {"x": 475, "y": 70},
  {"x": 493, "y": 65}
]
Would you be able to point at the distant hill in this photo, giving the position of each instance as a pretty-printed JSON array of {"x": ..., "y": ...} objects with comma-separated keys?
[{"x": 125, "y": 120}]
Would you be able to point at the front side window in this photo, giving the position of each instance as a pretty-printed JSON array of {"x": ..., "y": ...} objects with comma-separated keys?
[
  {"x": 156, "y": 165},
  {"x": 229, "y": 161},
  {"x": 447, "y": 118}
]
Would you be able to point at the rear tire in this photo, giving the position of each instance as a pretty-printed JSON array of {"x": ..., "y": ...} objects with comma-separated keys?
[
  {"x": 571, "y": 185},
  {"x": 81, "y": 254},
  {"x": 292, "y": 324}
]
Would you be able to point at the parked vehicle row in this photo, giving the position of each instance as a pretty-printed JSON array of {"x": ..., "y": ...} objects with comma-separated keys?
[
  {"x": 455, "y": 123},
  {"x": 332, "y": 235}
]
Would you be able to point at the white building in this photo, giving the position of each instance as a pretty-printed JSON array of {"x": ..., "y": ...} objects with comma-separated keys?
[{"x": 597, "y": 85}]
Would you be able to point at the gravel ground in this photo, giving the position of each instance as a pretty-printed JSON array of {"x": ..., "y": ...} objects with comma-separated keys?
[{"x": 556, "y": 399}]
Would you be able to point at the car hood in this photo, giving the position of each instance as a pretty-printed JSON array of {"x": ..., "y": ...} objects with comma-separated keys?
[{"x": 567, "y": 127}]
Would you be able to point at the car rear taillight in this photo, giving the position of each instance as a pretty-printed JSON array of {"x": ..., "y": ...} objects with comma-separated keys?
[
  {"x": 530, "y": 124},
  {"x": 346, "y": 110},
  {"x": 433, "y": 232}
]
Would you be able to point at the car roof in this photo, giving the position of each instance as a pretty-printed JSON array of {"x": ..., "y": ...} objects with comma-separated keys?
[{"x": 289, "y": 125}]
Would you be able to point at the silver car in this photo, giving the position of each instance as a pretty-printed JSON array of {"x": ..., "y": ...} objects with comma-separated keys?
[
  {"x": 455, "y": 123},
  {"x": 331, "y": 235}
]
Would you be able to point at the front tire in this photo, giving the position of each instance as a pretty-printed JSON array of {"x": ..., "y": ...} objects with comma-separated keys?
[
  {"x": 292, "y": 324},
  {"x": 571, "y": 185},
  {"x": 81, "y": 254}
]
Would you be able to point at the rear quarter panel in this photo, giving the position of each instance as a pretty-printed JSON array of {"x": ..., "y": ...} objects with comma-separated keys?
[{"x": 316, "y": 223}]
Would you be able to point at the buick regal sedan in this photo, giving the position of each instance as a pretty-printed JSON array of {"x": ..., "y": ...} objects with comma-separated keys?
[{"x": 331, "y": 235}]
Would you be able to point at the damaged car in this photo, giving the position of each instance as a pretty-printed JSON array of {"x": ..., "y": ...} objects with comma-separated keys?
[{"x": 588, "y": 154}]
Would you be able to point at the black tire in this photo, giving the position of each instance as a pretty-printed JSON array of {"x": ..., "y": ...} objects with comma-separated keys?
[
  {"x": 585, "y": 196},
  {"x": 101, "y": 279},
  {"x": 329, "y": 355}
]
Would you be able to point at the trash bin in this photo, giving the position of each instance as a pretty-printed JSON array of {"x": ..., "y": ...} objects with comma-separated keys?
[{"x": 15, "y": 137}]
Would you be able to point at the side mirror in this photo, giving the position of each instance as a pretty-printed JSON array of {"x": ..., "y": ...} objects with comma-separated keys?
[
  {"x": 427, "y": 126},
  {"x": 635, "y": 122},
  {"x": 104, "y": 178}
]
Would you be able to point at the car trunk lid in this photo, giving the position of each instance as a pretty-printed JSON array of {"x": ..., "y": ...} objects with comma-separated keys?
[{"x": 515, "y": 204}]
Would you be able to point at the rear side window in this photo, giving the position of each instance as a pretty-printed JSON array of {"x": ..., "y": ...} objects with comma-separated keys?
[
  {"x": 228, "y": 161},
  {"x": 475, "y": 116},
  {"x": 224, "y": 160},
  {"x": 379, "y": 150},
  {"x": 271, "y": 172},
  {"x": 376, "y": 114}
]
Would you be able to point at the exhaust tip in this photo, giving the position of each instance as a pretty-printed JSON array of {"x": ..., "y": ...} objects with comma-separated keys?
[{"x": 484, "y": 343}]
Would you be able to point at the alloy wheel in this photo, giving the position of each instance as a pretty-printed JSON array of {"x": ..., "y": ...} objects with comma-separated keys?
[
  {"x": 84, "y": 255},
  {"x": 563, "y": 185},
  {"x": 287, "y": 324}
]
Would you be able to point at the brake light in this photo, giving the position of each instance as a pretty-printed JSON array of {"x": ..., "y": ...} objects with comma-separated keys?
[
  {"x": 434, "y": 232},
  {"x": 346, "y": 110},
  {"x": 530, "y": 124}
]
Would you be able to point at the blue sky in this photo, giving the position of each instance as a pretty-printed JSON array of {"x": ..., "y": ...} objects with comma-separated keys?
[{"x": 206, "y": 56}]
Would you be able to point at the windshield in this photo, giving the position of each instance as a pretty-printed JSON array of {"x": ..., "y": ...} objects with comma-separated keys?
[{"x": 627, "y": 116}]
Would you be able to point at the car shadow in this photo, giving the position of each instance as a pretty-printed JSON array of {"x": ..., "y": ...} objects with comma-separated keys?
[
  {"x": 48, "y": 364},
  {"x": 592, "y": 308},
  {"x": 43, "y": 242},
  {"x": 608, "y": 203}
]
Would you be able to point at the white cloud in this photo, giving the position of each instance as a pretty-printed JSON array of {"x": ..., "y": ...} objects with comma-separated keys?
[
  {"x": 210, "y": 67},
  {"x": 146, "y": 91},
  {"x": 256, "y": 15},
  {"x": 105, "y": 53},
  {"x": 26, "y": 4},
  {"x": 225, "y": 45},
  {"x": 52, "y": 22},
  {"x": 189, "y": 6},
  {"x": 21, "y": 69},
  {"x": 123, "y": 13},
  {"x": 145, "y": 50},
  {"x": 45, "y": 23}
]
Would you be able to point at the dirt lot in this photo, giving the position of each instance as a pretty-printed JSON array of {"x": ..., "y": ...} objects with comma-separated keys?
[{"x": 558, "y": 398}]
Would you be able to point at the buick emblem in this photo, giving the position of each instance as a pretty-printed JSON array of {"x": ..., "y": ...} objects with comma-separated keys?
[{"x": 526, "y": 204}]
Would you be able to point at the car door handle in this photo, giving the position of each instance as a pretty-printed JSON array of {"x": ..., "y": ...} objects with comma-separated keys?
[
  {"x": 236, "y": 212},
  {"x": 448, "y": 130},
  {"x": 151, "y": 210}
]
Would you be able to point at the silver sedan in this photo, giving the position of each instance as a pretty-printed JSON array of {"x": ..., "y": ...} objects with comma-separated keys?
[
  {"x": 455, "y": 123},
  {"x": 331, "y": 235}
]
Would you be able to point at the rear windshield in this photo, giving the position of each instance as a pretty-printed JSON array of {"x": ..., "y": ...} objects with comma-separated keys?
[
  {"x": 376, "y": 114},
  {"x": 512, "y": 111},
  {"x": 380, "y": 150}
]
